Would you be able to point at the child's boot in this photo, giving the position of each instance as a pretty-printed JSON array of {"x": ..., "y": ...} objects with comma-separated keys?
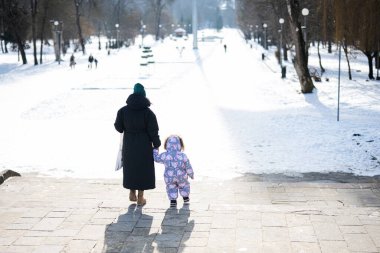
[
  {"x": 173, "y": 203},
  {"x": 186, "y": 200},
  {"x": 140, "y": 198},
  {"x": 132, "y": 195}
]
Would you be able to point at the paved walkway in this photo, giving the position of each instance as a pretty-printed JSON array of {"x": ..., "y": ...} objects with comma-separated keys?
[{"x": 74, "y": 215}]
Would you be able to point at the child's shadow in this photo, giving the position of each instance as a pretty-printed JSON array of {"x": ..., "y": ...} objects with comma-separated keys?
[
  {"x": 175, "y": 229},
  {"x": 123, "y": 235}
]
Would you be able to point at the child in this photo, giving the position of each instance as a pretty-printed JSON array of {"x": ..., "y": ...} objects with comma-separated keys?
[{"x": 177, "y": 169}]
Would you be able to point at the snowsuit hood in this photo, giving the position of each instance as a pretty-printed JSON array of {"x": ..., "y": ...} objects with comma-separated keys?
[
  {"x": 173, "y": 144},
  {"x": 137, "y": 102}
]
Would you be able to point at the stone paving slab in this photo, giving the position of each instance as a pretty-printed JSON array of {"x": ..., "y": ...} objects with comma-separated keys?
[{"x": 40, "y": 214}]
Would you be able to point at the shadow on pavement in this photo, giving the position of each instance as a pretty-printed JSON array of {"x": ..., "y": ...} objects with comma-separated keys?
[
  {"x": 123, "y": 236},
  {"x": 135, "y": 231},
  {"x": 175, "y": 229}
]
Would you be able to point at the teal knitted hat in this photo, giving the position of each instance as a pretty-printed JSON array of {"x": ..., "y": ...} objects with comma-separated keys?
[{"x": 139, "y": 89}]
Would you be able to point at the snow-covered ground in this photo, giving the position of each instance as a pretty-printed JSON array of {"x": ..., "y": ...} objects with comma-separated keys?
[{"x": 234, "y": 112}]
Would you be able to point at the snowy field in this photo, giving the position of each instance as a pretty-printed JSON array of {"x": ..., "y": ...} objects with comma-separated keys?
[{"x": 234, "y": 112}]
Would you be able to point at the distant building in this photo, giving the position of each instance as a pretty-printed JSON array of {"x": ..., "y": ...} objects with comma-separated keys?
[{"x": 179, "y": 32}]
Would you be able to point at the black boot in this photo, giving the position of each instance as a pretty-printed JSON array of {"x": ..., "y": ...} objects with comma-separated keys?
[{"x": 173, "y": 203}]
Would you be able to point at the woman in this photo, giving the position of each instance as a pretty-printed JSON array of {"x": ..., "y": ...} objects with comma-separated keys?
[{"x": 140, "y": 128}]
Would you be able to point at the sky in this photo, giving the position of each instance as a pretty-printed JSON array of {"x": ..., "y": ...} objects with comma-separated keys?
[{"x": 234, "y": 112}]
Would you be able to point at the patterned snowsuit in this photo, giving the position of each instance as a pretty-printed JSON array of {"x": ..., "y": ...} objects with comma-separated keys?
[{"x": 177, "y": 168}]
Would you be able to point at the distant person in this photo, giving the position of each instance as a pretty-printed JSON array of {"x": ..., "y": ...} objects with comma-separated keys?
[
  {"x": 139, "y": 125},
  {"x": 177, "y": 169},
  {"x": 225, "y": 48},
  {"x": 96, "y": 63},
  {"x": 72, "y": 61},
  {"x": 90, "y": 61}
]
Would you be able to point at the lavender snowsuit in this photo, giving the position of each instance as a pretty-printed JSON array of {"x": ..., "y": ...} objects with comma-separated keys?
[{"x": 177, "y": 168}]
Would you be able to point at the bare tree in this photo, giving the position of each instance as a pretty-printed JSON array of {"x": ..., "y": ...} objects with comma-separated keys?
[
  {"x": 17, "y": 25},
  {"x": 2, "y": 30},
  {"x": 327, "y": 20},
  {"x": 300, "y": 61},
  {"x": 33, "y": 10},
  {"x": 78, "y": 5},
  {"x": 356, "y": 25},
  {"x": 158, "y": 7},
  {"x": 44, "y": 12}
]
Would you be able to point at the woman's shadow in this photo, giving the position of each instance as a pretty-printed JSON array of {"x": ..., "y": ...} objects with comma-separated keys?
[{"x": 130, "y": 232}]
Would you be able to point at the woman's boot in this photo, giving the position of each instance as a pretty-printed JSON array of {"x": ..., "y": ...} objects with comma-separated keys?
[
  {"x": 140, "y": 198},
  {"x": 132, "y": 195}
]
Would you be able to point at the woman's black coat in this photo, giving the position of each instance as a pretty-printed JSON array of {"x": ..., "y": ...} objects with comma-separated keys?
[{"x": 140, "y": 128}]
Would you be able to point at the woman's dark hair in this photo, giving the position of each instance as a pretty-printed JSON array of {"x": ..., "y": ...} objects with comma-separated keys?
[{"x": 180, "y": 141}]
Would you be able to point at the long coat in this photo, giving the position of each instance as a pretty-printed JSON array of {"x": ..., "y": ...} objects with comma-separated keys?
[{"x": 140, "y": 128}]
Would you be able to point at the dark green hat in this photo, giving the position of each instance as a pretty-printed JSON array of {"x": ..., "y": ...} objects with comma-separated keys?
[{"x": 139, "y": 89}]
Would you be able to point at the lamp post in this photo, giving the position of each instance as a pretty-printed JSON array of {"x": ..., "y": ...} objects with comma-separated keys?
[
  {"x": 281, "y": 21},
  {"x": 57, "y": 26},
  {"x": 195, "y": 24},
  {"x": 377, "y": 61},
  {"x": 257, "y": 33},
  {"x": 265, "y": 36},
  {"x": 251, "y": 33},
  {"x": 99, "y": 43},
  {"x": 117, "y": 35},
  {"x": 338, "y": 108},
  {"x": 143, "y": 27},
  {"x": 283, "y": 68},
  {"x": 305, "y": 12}
]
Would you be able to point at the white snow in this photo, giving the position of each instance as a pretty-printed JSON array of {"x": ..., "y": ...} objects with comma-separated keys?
[{"x": 234, "y": 112}]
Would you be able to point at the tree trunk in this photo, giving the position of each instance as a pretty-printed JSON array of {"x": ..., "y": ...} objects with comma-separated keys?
[
  {"x": 329, "y": 47},
  {"x": 118, "y": 8},
  {"x": 344, "y": 44},
  {"x": 77, "y": 18},
  {"x": 320, "y": 60},
  {"x": 43, "y": 24},
  {"x": 300, "y": 63},
  {"x": 285, "y": 53},
  {"x": 21, "y": 49},
  {"x": 157, "y": 24},
  {"x": 370, "y": 64},
  {"x": 2, "y": 29},
  {"x": 158, "y": 12},
  {"x": 33, "y": 5}
]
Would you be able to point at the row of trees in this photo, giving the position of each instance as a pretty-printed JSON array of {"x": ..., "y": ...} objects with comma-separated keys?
[
  {"x": 33, "y": 20},
  {"x": 349, "y": 23}
]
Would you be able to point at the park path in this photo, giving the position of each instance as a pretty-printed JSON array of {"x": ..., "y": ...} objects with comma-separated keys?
[{"x": 69, "y": 215}]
